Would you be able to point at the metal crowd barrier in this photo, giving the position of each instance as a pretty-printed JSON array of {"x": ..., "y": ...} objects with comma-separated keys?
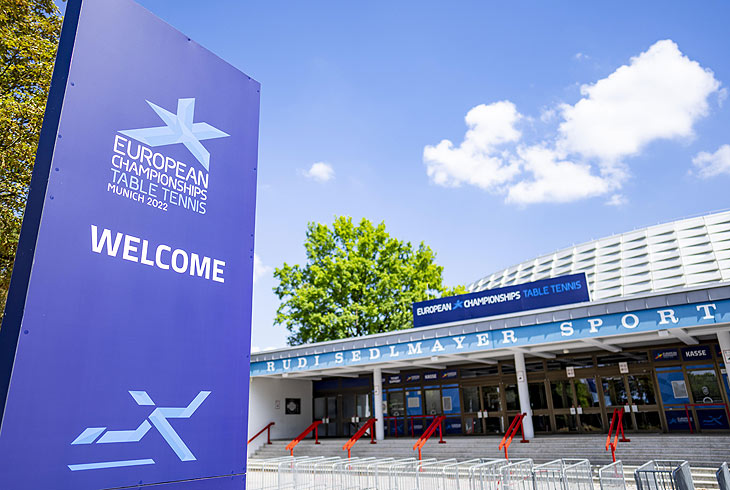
[
  {"x": 611, "y": 477},
  {"x": 564, "y": 474},
  {"x": 723, "y": 477},
  {"x": 664, "y": 475},
  {"x": 320, "y": 473}
]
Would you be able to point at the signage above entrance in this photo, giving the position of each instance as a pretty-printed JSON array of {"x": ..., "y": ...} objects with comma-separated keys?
[{"x": 545, "y": 293}]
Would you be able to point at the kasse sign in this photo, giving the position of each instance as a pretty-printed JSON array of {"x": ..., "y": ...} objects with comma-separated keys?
[
  {"x": 124, "y": 351},
  {"x": 546, "y": 293}
]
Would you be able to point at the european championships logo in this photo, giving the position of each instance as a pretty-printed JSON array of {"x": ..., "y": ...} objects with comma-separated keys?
[
  {"x": 159, "y": 180},
  {"x": 158, "y": 418}
]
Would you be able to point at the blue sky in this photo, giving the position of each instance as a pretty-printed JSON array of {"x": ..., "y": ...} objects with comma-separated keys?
[{"x": 585, "y": 121}]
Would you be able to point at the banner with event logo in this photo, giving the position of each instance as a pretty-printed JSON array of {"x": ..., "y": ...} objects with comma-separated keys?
[
  {"x": 545, "y": 293},
  {"x": 131, "y": 321}
]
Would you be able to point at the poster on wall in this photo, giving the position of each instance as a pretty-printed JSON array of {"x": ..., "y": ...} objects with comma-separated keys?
[{"x": 124, "y": 352}]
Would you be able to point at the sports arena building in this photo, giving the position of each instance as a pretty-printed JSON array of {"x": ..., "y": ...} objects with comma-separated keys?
[{"x": 653, "y": 338}]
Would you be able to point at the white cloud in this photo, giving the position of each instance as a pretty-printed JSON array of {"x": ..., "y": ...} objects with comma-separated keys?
[
  {"x": 713, "y": 164},
  {"x": 659, "y": 95},
  {"x": 321, "y": 172},
  {"x": 617, "y": 200},
  {"x": 259, "y": 268},
  {"x": 581, "y": 56},
  {"x": 553, "y": 178},
  {"x": 476, "y": 161}
]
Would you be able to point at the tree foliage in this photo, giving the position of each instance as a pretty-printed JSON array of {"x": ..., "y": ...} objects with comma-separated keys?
[
  {"x": 358, "y": 280},
  {"x": 29, "y": 33}
]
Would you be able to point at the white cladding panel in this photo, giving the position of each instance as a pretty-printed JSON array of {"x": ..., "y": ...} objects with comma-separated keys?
[{"x": 685, "y": 253}]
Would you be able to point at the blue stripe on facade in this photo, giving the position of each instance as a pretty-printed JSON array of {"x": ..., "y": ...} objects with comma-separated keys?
[{"x": 706, "y": 313}]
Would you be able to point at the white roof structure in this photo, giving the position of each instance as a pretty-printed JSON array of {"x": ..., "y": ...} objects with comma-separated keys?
[{"x": 684, "y": 253}]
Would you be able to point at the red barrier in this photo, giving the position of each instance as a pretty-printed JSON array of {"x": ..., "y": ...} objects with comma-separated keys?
[
  {"x": 511, "y": 431},
  {"x": 368, "y": 425},
  {"x": 428, "y": 433},
  {"x": 290, "y": 447},
  {"x": 618, "y": 420},
  {"x": 268, "y": 435}
]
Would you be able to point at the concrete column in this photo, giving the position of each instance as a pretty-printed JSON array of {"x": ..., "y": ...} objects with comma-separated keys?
[
  {"x": 378, "y": 404},
  {"x": 723, "y": 337},
  {"x": 524, "y": 395}
]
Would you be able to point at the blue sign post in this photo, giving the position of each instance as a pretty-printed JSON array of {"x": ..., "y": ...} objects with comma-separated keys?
[
  {"x": 545, "y": 293},
  {"x": 124, "y": 350}
]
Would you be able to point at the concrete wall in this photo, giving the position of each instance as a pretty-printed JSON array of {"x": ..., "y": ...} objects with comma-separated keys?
[{"x": 263, "y": 397}]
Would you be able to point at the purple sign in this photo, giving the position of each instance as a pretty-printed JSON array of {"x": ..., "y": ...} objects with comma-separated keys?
[{"x": 128, "y": 321}]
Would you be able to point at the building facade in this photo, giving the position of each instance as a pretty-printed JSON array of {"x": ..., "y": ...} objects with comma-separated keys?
[{"x": 653, "y": 340}]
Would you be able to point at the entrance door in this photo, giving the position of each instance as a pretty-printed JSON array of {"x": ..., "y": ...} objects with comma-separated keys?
[
  {"x": 635, "y": 393},
  {"x": 355, "y": 412},
  {"x": 492, "y": 411},
  {"x": 563, "y": 402},
  {"x": 588, "y": 405},
  {"x": 325, "y": 408}
]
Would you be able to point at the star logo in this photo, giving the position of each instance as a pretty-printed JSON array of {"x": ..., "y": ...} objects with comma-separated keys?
[
  {"x": 179, "y": 128},
  {"x": 458, "y": 304}
]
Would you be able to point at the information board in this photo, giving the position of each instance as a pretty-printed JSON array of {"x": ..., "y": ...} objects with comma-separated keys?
[{"x": 127, "y": 329}]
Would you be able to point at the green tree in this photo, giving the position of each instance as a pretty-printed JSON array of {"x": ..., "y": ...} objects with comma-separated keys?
[
  {"x": 29, "y": 33},
  {"x": 358, "y": 280}
]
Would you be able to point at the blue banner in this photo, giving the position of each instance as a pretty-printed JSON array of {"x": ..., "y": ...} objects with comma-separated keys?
[
  {"x": 131, "y": 363},
  {"x": 522, "y": 297}
]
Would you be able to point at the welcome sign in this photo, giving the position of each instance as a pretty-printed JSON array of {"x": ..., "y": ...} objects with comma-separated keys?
[
  {"x": 127, "y": 329},
  {"x": 545, "y": 293}
]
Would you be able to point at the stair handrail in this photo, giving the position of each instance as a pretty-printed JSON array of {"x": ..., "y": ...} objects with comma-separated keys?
[
  {"x": 313, "y": 427},
  {"x": 428, "y": 433},
  {"x": 368, "y": 425},
  {"x": 618, "y": 419},
  {"x": 268, "y": 435},
  {"x": 510, "y": 434}
]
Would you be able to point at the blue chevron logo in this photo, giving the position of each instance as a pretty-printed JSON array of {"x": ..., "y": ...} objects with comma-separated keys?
[
  {"x": 179, "y": 128},
  {"x": 158, "y": 419}
]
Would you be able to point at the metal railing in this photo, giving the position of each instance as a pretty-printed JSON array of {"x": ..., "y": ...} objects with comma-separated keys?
[
  {"x": 611, "y": 477},
  {"x": 437, "y": 422},
  {"x": 723, "y": 477},
  {"x": 268, "y": 433},
  {"x": 563, "y": 474},
  {"x": 511, "y": 431},
  {"x": 618, "y": 419},
  {"x": 664, "y": 475},
  {"x": 313, "y": 427},
  {"x": 368, "y": 425}
]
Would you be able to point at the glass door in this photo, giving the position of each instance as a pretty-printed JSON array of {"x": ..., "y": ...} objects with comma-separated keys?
[
  {"x": 588, "y": 405},
  {"x": 355, "y": 412},
  {"x": 563, "y": 403},
  {"x": 325, "y": 409},
  {"x": 644, "y": 405},
  {"x": 492, "y": 413},
  {"x": 472, "y": 411}
]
